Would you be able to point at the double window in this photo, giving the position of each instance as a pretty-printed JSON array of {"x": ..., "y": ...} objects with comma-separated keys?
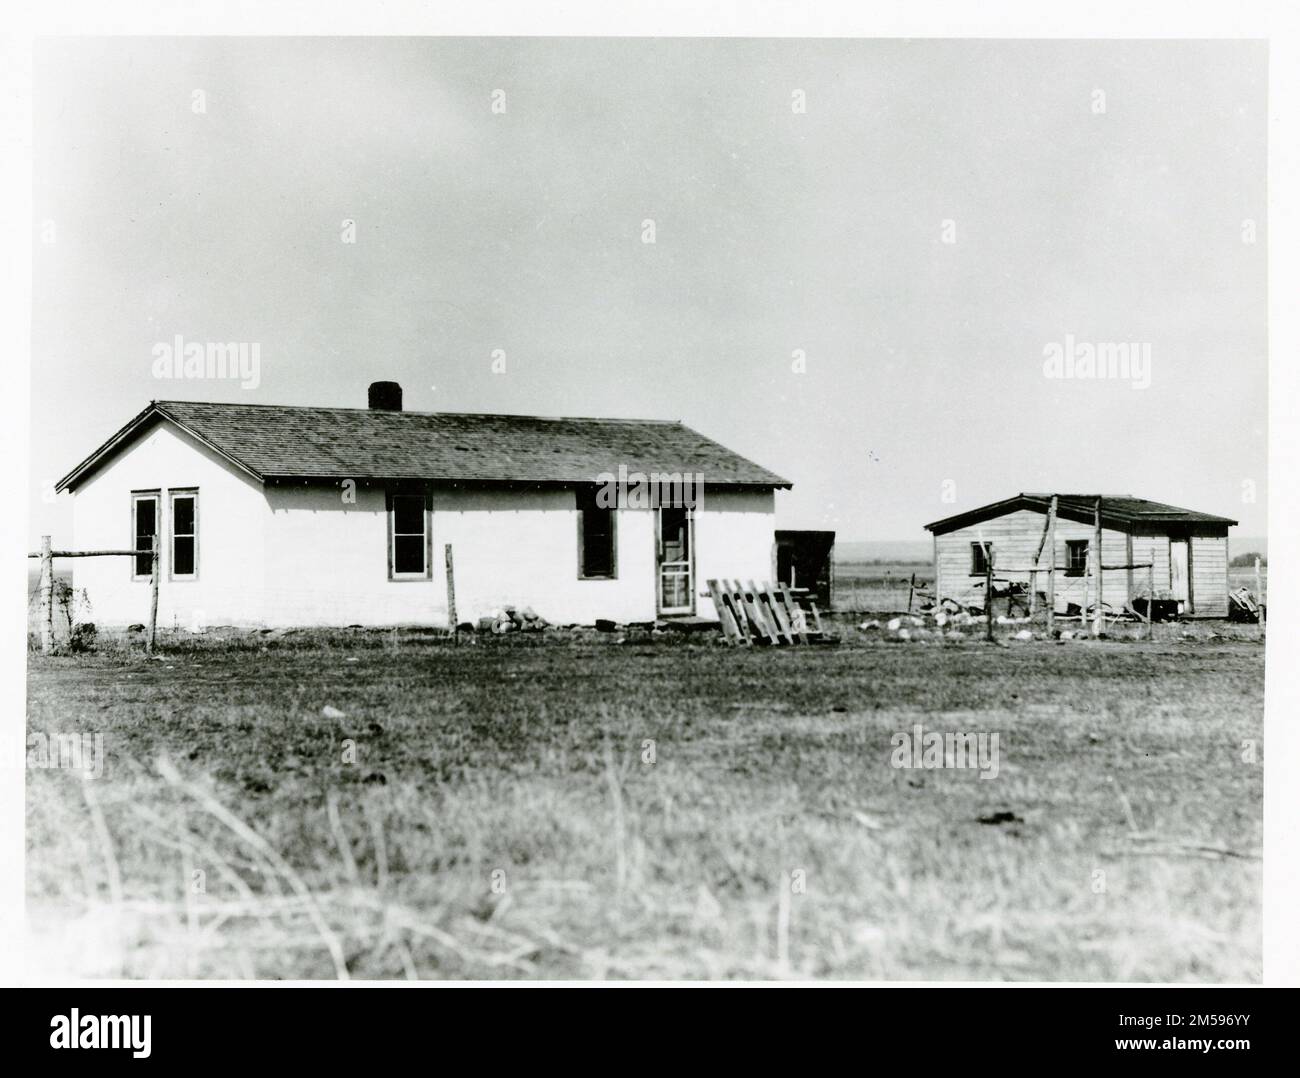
[{"x": 182, "y": 532}]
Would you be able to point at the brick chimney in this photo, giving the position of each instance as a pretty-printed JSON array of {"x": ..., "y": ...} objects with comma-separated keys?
[{"x": 385, "y": 397}]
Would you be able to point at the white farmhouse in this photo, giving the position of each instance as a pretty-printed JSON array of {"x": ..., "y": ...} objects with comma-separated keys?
[{"x": 271, "y": 515}]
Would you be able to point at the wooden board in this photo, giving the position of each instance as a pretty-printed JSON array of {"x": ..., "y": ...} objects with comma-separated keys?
[{"x": 725, "y": 616}]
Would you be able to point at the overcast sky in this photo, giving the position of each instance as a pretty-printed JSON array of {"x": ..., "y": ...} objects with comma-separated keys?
[{"x": 1096, "y": 191}]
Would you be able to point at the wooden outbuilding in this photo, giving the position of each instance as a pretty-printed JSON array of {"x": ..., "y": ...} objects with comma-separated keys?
[
  {"x": 806, "y": 559},
  {"x": 1187, "y": 552}
]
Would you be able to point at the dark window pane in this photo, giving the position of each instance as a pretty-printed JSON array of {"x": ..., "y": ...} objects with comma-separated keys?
[
  {"x": 183, "y": 556},
  {"x": 597, "y": 542},
  {"x": 408, "y": 514},
  {"x": 408, "y": 554},
  {"x": 146, "y": 519},
  {"x": 979, "y": 554},
  {"x": 674, "y": 532},
  {"x": 182, "y": 516},
  {"x": 1077, "y": 556},
  {"x": 146, "y": 516}
]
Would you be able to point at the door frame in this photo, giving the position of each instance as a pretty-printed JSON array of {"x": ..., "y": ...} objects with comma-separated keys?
[
  {"x": 1185, "y": 541},
  {"x": 689, "y": 609}
]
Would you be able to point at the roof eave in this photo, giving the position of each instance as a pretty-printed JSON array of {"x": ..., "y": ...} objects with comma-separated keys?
[
  {"x": 1041, "y": 503},
  {"x": 776, "y": 483},
  {"x": 117, "y": 440},
  {"x": 942, "y": 525}
]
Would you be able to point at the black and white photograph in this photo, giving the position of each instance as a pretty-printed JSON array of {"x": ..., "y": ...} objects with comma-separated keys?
[{"x": 668, "y": 509}]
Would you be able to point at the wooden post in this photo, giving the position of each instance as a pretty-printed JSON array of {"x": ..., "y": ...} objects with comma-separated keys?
[
  {"x": 451, "y": 593},
  {"x": 1087, "y": 590},
  {"x": 988, "y": 591},
  {"x": 1051, "y": 566},
  {"x": 1128, "y": 570},
  {"x": 1151, "y": 595},
  {"x": 153, "y": 596},
  {"x": 1259, "y": 590},
  {"x": 934, "y": 559},
  {"x": 47, "y": 596},
  {"x": 1098, "y": 619},
  {"x": 911, "y": 589},
  {"x": 1033, "y": 570}
]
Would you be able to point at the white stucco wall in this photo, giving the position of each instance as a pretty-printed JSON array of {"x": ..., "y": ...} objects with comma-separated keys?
[
  {"x": 735, "y": 536},
  {"x": 327, "y": 561},
  {"x": 231, "y": 519},
  {"x": 521, "y": 548},
  {"x": 304, "y": 555}
]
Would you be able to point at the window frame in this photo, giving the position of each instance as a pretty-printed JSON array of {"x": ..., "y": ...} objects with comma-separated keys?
[
  {"x": 390, "y": 503},
  {"x": 1071, "y": 545},
  {"x": 579, "y": 498},
  {"x": 154, "y": 495},
  {"x": 980, "y": 558},
  {"x": 170, "y": 545}
]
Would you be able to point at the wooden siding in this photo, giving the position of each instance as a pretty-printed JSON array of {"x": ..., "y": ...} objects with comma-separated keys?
[
  {"x": 1015, "y": 537},
  {"x": 1153, "y": 548},
  {"x": 1209, "y": 577},
  {"x": 1015, "y": 540}
]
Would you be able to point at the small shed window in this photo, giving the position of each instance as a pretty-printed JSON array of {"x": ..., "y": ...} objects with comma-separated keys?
[
  {"x": 1076, "y": 557},
  {"x": 408, "y": 536},
  {"x": 980, "y": 555},
  {"x": 185, "y": 534},
  {"x": 596, "y": 538},
  {"x": 144, "y": 524}
]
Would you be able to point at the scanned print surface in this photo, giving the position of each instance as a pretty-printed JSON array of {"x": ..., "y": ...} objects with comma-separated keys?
[{"x": 647, "y": 509}]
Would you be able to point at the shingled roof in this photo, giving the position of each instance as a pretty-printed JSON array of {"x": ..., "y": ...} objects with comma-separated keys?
[
  {"x": 1121, "y": 511},
  {"x": 271, "y": 441}
]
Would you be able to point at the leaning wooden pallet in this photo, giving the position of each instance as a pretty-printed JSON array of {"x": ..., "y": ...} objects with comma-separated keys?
[{"x": 765, "y": 613}]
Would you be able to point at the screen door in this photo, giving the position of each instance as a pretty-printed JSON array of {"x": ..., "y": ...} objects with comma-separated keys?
[{"x": 674, "y": 561}]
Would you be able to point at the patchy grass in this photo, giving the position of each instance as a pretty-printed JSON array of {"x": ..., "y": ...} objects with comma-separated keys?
[{"x": 501, "y": 819}]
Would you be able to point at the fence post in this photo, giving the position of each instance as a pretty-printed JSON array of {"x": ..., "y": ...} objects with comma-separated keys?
[
  {"x": 1051, "y": 567},
  {"x": 47, "y": 596},
  {"x": 1088, "y": 572},
  {"x": 451, "y": 593},
  {"x": 153, "y": 597},
  {"x": 1259, "y": 590},
  {"x": 1151, "y": 596},
  {"x": 988, "y": 592},
  {"x": 911, "y": 589},
  {"x": 1099, "y": 619}
]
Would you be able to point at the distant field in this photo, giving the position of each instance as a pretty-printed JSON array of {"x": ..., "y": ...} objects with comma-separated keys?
[
  {"x": 504, "y": 816},
  {"x": 879, "y": 586}
]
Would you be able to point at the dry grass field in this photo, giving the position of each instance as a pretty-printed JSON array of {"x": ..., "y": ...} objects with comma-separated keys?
[{"x": 384, "y": 805}]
